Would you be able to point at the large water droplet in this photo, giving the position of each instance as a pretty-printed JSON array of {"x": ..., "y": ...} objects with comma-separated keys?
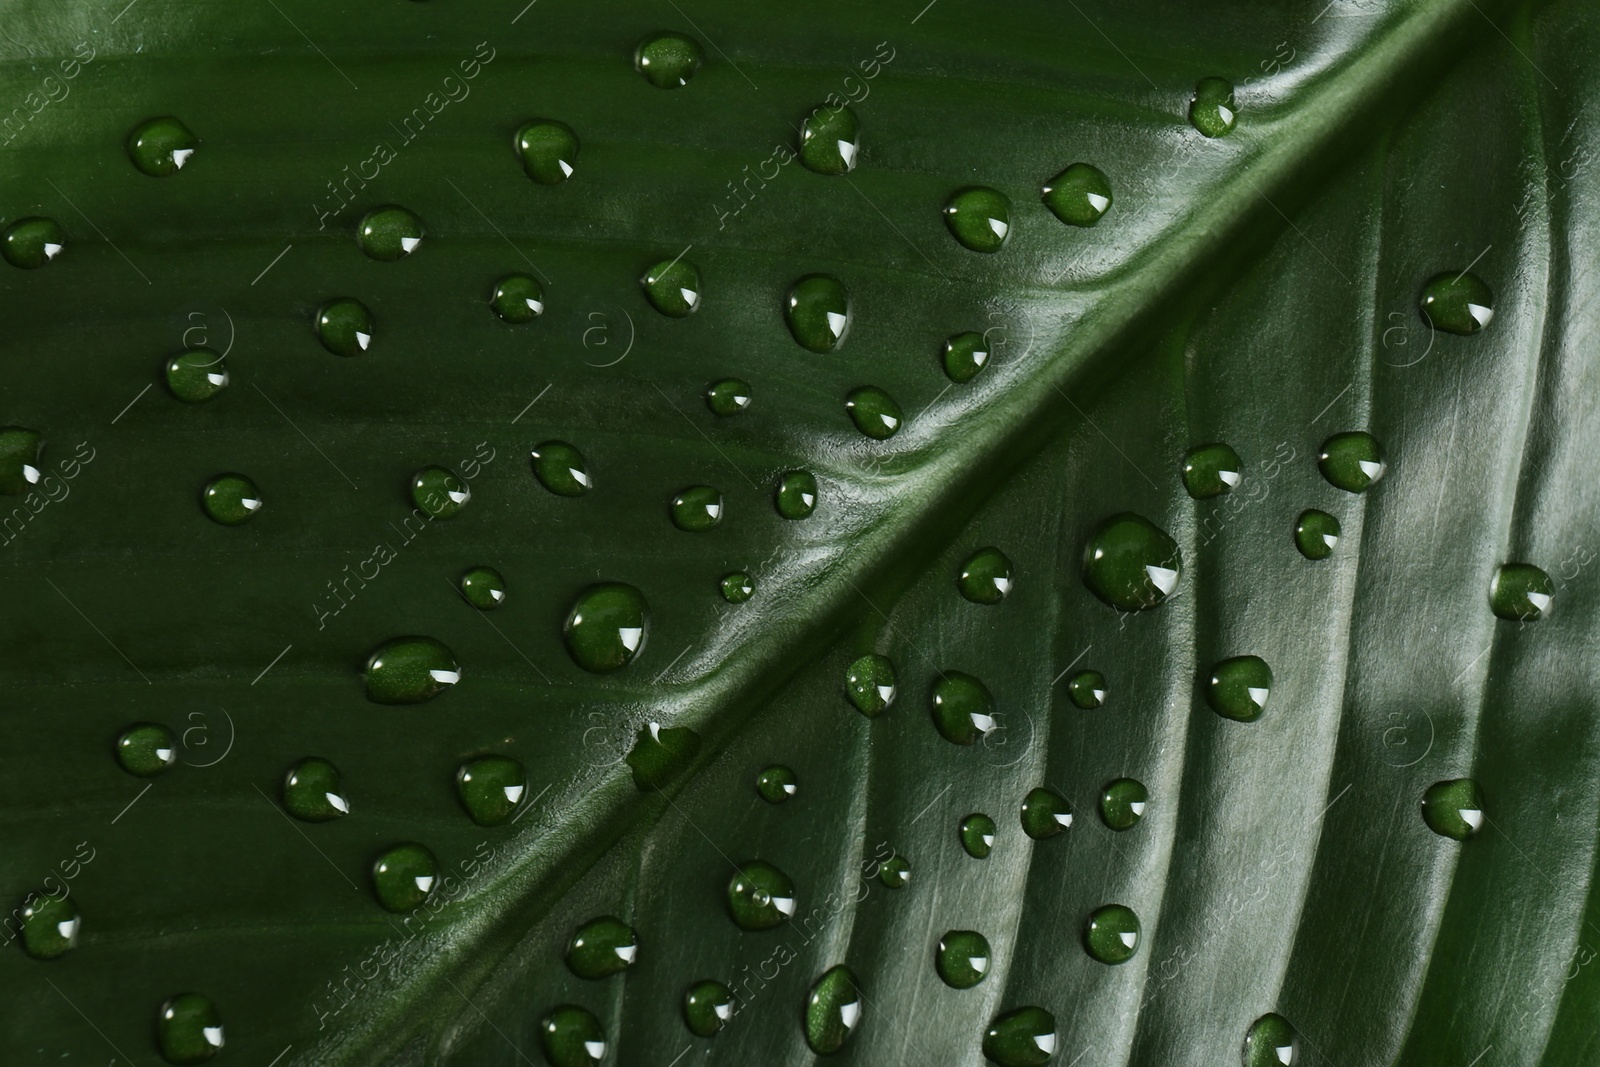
[
  {"x": 483, "y": 588},
  {"x": 560, "y": 468},
  {"x": 19, "y": 459},
  {"x": 965, "y": 354},
  {"x": 737, "y": 587},
  {"x": 404, "y": 877},
  {"x": 490, "y": 788},
  {"x": 188, "y": 1029},
  {"x": 1457, "y": 303},
  {"x": 548, "y": 150},
  {"x": 50, "y": 927},
  {"x": 410, "y": 670},
  {"x": 1122, "y": 803},
  {"x": 231, "y": 499},
  {"x": 977, "y": 832},
  {"x": 602, "y": 947},
  {"x": 796, "y": 495},
  {"x": 1271, "y": 1042},
  {"x": 1315, "y": 534},
  {"x": 572, "y": 1037},
  {"x": 1238, "y": 688},
  {"x": 728, "y": 397},
  {"x": 668, "y": 60},
  {"x": 707, "y": 1007},
  {"x": 161, "y": 146},
  {"x": 818, "y": 312},
  {"x": 313, "y": 790},
  {"x": 660, "y": 754},
  {"x": 963, "y": 710},
  {"x": 697, "y": 508},
  {"x": 776, "y": 784},
  {"x": 1025, "y": 1037},
  {"x": 389, "y": 233},
  {"x": 962, "y": 958},
  {"x": 1087, "y": 689},
  {"x": 607, "y": 627},
  {"x": 146, "y": 749},
  {"x": 760, "y": 896},
  {"x": 979, "y": 217},
  {"x": 832, "y": 1011},
  {"x": 830, "y": 140},
  {"x": 344, "y": 325},
  {"x": 1453, "y": 809},
  {"x": 1352, "y": 461},
  {"x": 870, "y": 684},
  {"x": 1045, "y": 813},
  {"x": 1079, "y": 195},
  {"x": 1521, "y": 592},
  {"x": 985, "y": 577},
  {"x": 672, "y": 287},
  {"x": 440, "y": 492},
  {"x": 1111, "y": 935},
  {"x": 517, "y": 298},
  {"x": 1130, "y": 563},
  {"x": 197, "y": 375},
  {"x": 32, "y": 242},
  {"x": 1211, "y": 109},
  {"x": 1211, "y": 470},
  {"x": 874, "y": 412}
]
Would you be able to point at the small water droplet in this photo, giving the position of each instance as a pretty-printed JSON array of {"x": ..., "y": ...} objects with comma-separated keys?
[
  {"x": 1315, "y": 534},
  {"x": 1352, "y": 461},
  {"x": 796, "y": 495},
  {"x": 962, "y": 958},
  {"x": 1453, "y": 809},
  {"x": 560, "y": 468},
  {"x": 572, "y": 1037},
  {"x": 607, "y": 627},
  {"x": 404, "y": 877},
  {"x": 602, "y": 947},
  {"x": 313, "y": 791},
  {"x": 985, "y": 577},
  {"x": 1025, "y": 1037},
  {"x": 19, "y": 459},
  {"x": 1045, "y": 813},
  {"x": 50, "y": 926},
  {"x": 1111, "y": 934},
  {"x": 707, "y": 1007},
  {"x": 737, "y": 587},
  {"x": 197, "y": 375},
  {"x": 760, "y": 896},
  {"x": 484, "y": 588},
  {"x": 548, "y": 150},
  {"x": 979, "y": 217},
  {"x": 188, "y": 1029},
  {"x": 776, "y": 784},
  {"x": 895, "y": 872},
  {"x": 1238, "y": 688},
  {"x": 1457, "y": 303},
  {"x": 490, "y": 788},
  {"x": 1521, "y": 592},
  {"x": 963, "y": 710},
  {"x": 389, "y": 233},
  {"x": 818, "y": 312},
  {"x": 832, "y": 1011},
  {"x": 231, "y": 499},
  {"x": 870, "y": 684},
  {"x": 1122, "y": 803},
  {"x": 32, "y": 242},
  {"x": 440, "y": 492},
  {"x": 1079, "y": 195},
  {"x": 1130, "y": 563},
  {"x": 660, "y": 754},
  {"x": 668, "y": 60},
  {"x": 830, "y": 140},
  {"x": 410, "y": 670},
  {"x": 344, "y": 325},
  {"x": 965, "y": 354},
  {"x": 1271, "y": 1042},
  {"x": 1211, "y": 109},
  {"x": 1211, "y": 470},
  {"x": 672, "y": 287},
  {"x": 728, "y": 397},
  {"x": 1087, "y": 689},
  {"x": 146, "y": 749},
  {"x": 977, "y": 832},
  {"x": 874, "y": 412},
  {"x": 161, "y": 146},
  {"x": 697, "y": 508},
  {"x": 517, "y": 298}
]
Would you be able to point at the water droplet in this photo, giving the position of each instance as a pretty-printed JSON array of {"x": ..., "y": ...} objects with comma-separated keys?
[
  {"x": 1352, "y": 461},
  {"x": 1520, "y": 592},
  {"x": 607, "y": 626},
  {"x": 874, "y": 412},
  {"x": 830, "y": 140},
  {"x": 832, "y": 1011},
  {"x": 697, "y": 508},
  {"x": 1239, "y": 687},
  {"x": 1122, "y": 803},
  {"x": 572, "y": 1037},
  {"x": 313, "y": 791},
  {"x": 796, "y": 495},
  {"x": 1271, "y": 1042},
  {"x": 146, "y": 749},
  {"x": 673, "y": 287},
  {"x": 776, "y": 784},
  {"x": 1045, "y": 813},
  {"x": 197, "y": 375},
  {"x": 1130, "y": 563},
  {"x": 1211, "y": 109},
  {"x": 977, "y": 833},
  {"x": 344, "y": 325},
  {"x": 440, "y": 492},
  {"x": 490, "y": 788},
  {"x": 404, "y": 876},
  {"x": 707, "y": 1007},
  {"x": 19, "y": 459},
  {"x": 1453, "y": 809},
  {"x": 602, "y": 947},
  {"x": 668, "y": 60},
  {"x": 410, "y": 670},
  {"x": 161, "y": 146},
  {"x": 560, "y": 468},
  {"x": 737, "y": 587},
  {"x": 188, "y": 1029},
  {"x": 518, "y": 298},
  {"x": 1457, "y": 303},
  {"x": 962, "y": 958},
  {"x": 1211, "y": 470},
  {"x": 484, "y": 588},
  {"x": 389, "y": 233},
  {"x": 1087, "y": 689},
  {"x": 1079, "y": 195},
  {"x": 231, "y": 499},
  {"x": 986, "y": 576},
  {"x": 870, "y": 684},
  {"x": 50, "y": 927},
  {"x": 818, "y": 312},
  {"x": 548, "y": 150},
  {"x": 760, "y": 896},
  {"x": 31, "y": 243},
  {"x": 660, "y": 754},
  {"x": 1025, "y": 1037},
  {"x": 895, "y": 872},
  {"x": 1315, "y": 534},
  {"x": 963, "y": 710},
  {"x": 979, "y": 217},
  {"x": 1112, "y": 934},
  {"x": 728, "y": 397},
  {"x": 965, "y": 354}
]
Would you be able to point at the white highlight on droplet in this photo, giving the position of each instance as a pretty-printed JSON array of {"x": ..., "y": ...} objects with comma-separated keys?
[
  {"x": 1098, "y": 202},
  {"x": 1164, "y": 578},
  {"x": 836, "y": 323},
  {"x": 690, "y": 297},
  {"x": 595, "y": 1049},
  {"x": 1480, "y": 314},
  {"x": 630, "y": 636},
  {"x": 513, "y": 792},
  {"x": 979, "y": 963},
  {"x": 1539, "y": 600},
  {"x": 784, "y": 904},
  {"x": 1000, "y": 229},
  {"x": 409, "y": 244},
  {"x": 1046, "y": 1042},
  {"x": 1258, "y": 695},
  {"x": 626, "y": 953},
  {"x": 424, "y": 882},
  {"x": 1472, "y": 817},
  {"x": 1373, "y": 470},
  {"x": 1137, "y": 807},
  {"x": 445, "y": 677},
  {"x": 1229, "y": 478},
  {"x": 213, "y": 1035},
  {"x": 849, "y": 1014},
  {"x": 50, "y": 251},
  {"x": 181, "y": 156},
  {"x": 363, "y": 339},
  {"x": 1128, "y": 938},
  {"x": 1064, "y": 818},
  {"x": 983, "y": 722},
  {"x": 847, "y": 152},
  {"x": 338, "y": 802}
]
